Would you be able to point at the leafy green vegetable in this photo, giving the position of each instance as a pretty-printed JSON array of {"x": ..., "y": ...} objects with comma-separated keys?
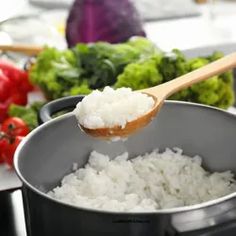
[
  {"x": 173, "y": 65},
  {"x": 137, "y": 63},
  {"x": 86, "y": 66},
  {"x": 103, "y": 62},
  {"x": 82, "y": 89},
  {"x": 216, "y": 91},
  {"x": 56, "y": 72},
  {"x": 99, "y": 70},
  {"x": 144, "y": 46},
  {"x": 140, "y": 75},
  {"x": 28, "y": 114}
]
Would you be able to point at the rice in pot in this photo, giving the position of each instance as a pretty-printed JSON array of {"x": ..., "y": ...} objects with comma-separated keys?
[{"x": 157, "y": 180}]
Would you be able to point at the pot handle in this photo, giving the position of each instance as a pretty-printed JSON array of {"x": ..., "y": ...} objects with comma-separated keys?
[{"x": 62, "y": 104}]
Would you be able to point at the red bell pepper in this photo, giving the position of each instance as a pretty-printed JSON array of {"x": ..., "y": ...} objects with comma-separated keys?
[
  {"x": 5, "y": 86},
  {"x": 18, "y": 76},
  {"x": 14, "y": 86}
]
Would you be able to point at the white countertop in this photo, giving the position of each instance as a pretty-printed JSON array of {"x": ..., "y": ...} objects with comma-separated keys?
[
  {"x": 8, "y": 178},
  {"x": 215, "y": 26}
]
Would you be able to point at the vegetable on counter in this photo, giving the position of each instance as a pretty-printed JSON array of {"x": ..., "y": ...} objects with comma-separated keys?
[
  {"x": 141, "y": 74},
  {"x": 3, "y": 143},
  {"x": 216, "y": 91},
  {"x": 14, "y": 86},
  {"x": 87, "y": 19},
  {"x": 28, "y": 114},
  {"x": 137, "y": 63},
  {"x": 8, "y": 146},
  {"x": 10, "y": 150},
  {"x": 14, "y": 126},
  {"x": 13, "y": 129},
  {"x": 56, "y": 72},
  {"x": 86, "y": 66}
]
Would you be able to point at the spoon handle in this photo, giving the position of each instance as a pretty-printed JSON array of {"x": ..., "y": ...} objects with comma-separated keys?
[
  {"x": 217, "y": 67},
  {"x": 21, "y": 48}
]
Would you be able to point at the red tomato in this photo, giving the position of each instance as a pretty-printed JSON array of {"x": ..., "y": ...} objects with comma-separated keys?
[
  {"x": 9, "y": 150},
  {"x": 15, "y": 126},
  {"x": 3, "y": 143}
]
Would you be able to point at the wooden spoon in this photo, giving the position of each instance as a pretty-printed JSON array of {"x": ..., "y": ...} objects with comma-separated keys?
[
  {"x": 163, "y": 91},
  {"x": 30, "y": 50}
]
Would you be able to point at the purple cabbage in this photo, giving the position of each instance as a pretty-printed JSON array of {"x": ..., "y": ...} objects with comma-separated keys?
[{"x": 112, "y": 21}]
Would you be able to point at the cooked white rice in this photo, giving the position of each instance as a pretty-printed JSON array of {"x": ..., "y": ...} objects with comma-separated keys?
[
  {"x": 111, "y": 107},
  {"x": 145, "y": 183}
]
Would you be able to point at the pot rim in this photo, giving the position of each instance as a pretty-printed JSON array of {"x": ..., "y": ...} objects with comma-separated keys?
[{"x": 159, "y": 211}]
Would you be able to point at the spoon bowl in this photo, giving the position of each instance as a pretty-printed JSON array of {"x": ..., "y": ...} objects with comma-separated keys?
[{"x": 130, "y": 127}]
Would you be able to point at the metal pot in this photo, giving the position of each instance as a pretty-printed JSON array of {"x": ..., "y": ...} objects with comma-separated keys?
[{"x": 48, "y": 152}]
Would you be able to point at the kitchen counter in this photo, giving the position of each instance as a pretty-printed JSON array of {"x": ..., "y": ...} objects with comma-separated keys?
[{"x": 214, "y": 26}]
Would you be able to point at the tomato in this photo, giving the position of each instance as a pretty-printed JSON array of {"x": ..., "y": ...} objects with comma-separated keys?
[
  {"x": 15, "y": 126},
  {"x": 3, "y": 144},
  {"x": 10, "y": 148},
  {"x": 13, "y": 129}
]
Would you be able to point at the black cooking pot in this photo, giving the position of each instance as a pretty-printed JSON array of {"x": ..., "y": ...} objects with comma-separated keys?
[{"x": 48, "y": 152}]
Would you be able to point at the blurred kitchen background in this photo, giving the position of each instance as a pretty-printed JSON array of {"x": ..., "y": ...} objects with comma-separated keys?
[{"x": 181, "y": 24}]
